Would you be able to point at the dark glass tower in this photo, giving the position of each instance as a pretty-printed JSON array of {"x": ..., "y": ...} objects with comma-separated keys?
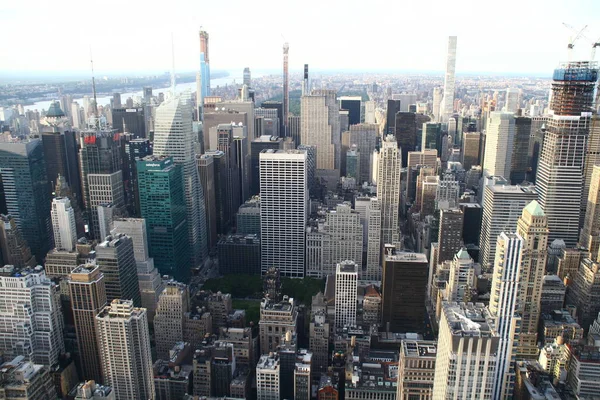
[
  {"x": 27, "y": 192},
  {"x": 160, "y": 185}
]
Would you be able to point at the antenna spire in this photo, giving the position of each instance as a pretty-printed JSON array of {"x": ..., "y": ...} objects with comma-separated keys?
[
  {"x": 173, "y": 66},
  {"x": 95, "y": 109}
]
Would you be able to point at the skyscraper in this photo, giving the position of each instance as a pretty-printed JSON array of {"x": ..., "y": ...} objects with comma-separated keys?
[
  {"x": 162, "y": 205},
  {"x": 364, "y": 136},
  {"x": 466, "y": 361},
  {"x": 590, "y": 234},
  {"x": 124, "y": 343},
  {"x": 174, "y": 136},
  {"x": 447, "y": 105},
  {"x": 450, "y": 234},
  {"x": 32, "y": 316},
  {"x": 63, "y": 223},
  {"x": 173, "y": 303},
  {"x": 346, "y": 287},
  {"x": 353, "y": 105},
  {"x": 100, "y": 158},
  {"x": 470, "y": 149},
  {"x": 499, "y": 140},
  {"x": 115, "y": 258},
  {"x": 149, "y": 279},
  {"x": 206, "y": 169},
  {"x": 283, "y": 211},
  {"x": 502, "y": 207},
  {"x": 27, "y": 192},
  {"x": 511, "y": 103},
  {"x": 519, "y": 161},
  {"x": 286, "y": 88},
  {"x": 505, "y": 308},
  {"x": 532, "y": 226},
  {"x": 204, "y": 66},
  {"x": 14, "y": 250},
  {"x": 403, "y": 291},
  {"x": 388, "y": 188},
  {"x": 88, "y": 298},
  {"x": 559, "y": 178},
  {"x": 320, "y": 127}
]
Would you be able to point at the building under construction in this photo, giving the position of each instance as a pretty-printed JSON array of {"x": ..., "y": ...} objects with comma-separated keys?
[{"x": 560, "y": 175}]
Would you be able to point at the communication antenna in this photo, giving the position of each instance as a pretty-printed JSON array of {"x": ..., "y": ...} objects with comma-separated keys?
[{"x": 95, "y": 109}]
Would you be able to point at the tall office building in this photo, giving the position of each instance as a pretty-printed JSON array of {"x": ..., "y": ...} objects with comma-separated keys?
[
  {"x": 14, "y": 250},
  {"x": 406, "y": 133},
  {"x": 206, "y": 169},
  {"x": 393, "y": 107},
  {"x": 129, "y": 120},
  {"x": 286, "y": 87},
  {"x": 204, "y": 67},
  {"x": 559, "y": 178},
  {"x": 447, "y": 104},
  {"x": 88, "y": 298},
  {"x": 32, "y": 319},
  {"x": 388, "y": 189},
  {"x": 417, "y": 160},
  {"x": 346, "y": 291},
  {"x": 470, "y": 149},
  {"x": 100, "y": 167},
  {"x": 590, "y": 234},
  {"x": 61, "y": 156},
  {"x": 403, "y": 291},
  {"x": 592, "y": 158},
  {"x": 258, "y": 145},
  {"x": 63, "y": 224},
  {"x": 461, "y": 279},
  {"x": 499, "y": 139},
  {"x": 174, "y": 136},
  {"x": 162, "y": 205},
  {"x": 320, "y": 127},
  {"x": 283, "y": 211},
  {"x": 533, "y": 228},
  {"x": 115, "y": 258},
  {"x": 505, "y": 308},
  {"x": 364, "y": 136},
  {"x": 353, "y": 105},
  {"x": 466, "y": 361},
  {"x": 173, "y": 303},
  {"x": 512, "y": 101},
  {"x": 124, "y": 343},
  {"x": 149, "y": 279},
  {"x": 373, "y": 239},
  {"x": 502, "y": 207},
  {"x": 27, "y": 192},
  {"x": 449, "y": 234},
  {"x": 519, "y": 161}
]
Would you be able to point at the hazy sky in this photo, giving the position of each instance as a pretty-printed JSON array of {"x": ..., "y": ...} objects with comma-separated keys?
[{"x": 513, "y": 36}]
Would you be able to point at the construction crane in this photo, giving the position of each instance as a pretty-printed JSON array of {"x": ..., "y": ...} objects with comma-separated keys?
[{"x": 572, "y": 40}]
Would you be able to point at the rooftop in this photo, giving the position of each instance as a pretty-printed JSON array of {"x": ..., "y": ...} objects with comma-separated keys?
[
  {"x": 419, "y": 348},
  {"x": 468, "y": 319},
  {"x": 534, "y": 209},
  {"x": 268, "y": 362}
]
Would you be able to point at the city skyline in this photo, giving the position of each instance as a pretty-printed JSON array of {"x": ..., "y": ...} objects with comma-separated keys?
[{"x": 535, "y": 48}]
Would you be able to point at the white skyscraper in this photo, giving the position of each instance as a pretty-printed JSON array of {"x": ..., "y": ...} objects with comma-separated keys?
[
  {"x": 504, "y": 307},
  {"x": 462, "y": 277},
  {"x": 502, "y": 207},
  {"x": 512, "y": 102},
  {"x": 373, "y": 220},
  {"x": 466, "y": 361},
  {"x": 388, "y": 188},
  {"x": 499, "y": 139},
  {"x": 149, "y": 279},
  {"x": 124, "y": 344},
  {"x": 31, "y": 315},
  {"x": 283, "y": 210},
  {"x": 447, "y": 105},
  {"x": 174, "y": 136},
  {"x": 346, "y": 287},
  {"x": 320, "y": 127},
  {"x": 63, "y": 224}
]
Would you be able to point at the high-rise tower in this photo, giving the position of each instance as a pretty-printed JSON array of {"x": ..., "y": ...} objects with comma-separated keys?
[
  {"x": 124, "y": 343},
  {"x": 283, "y": 210},
  {"x": 447, "y": 106},
  {"x": 174, "y": 136},
  {"x": 204, "y": 66},
  {"x": 560, "y": 179},
  {"x": 286, "y": 88},
  {"x": 499, "y": 144},
  {"x": 63, "y": 223},
  {"x": 388, "y": 188}
]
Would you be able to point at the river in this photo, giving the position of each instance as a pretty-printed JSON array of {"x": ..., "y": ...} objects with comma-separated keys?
[{"x": 182, "y": 87}]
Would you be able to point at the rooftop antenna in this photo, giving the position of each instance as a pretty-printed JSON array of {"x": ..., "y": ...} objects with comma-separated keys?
[
  {"x": 173, "y": 66},
  {"x": 97, "y": 121}
]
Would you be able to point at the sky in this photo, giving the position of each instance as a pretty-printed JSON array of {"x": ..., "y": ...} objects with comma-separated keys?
[{"x": 509, "y": 36}]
